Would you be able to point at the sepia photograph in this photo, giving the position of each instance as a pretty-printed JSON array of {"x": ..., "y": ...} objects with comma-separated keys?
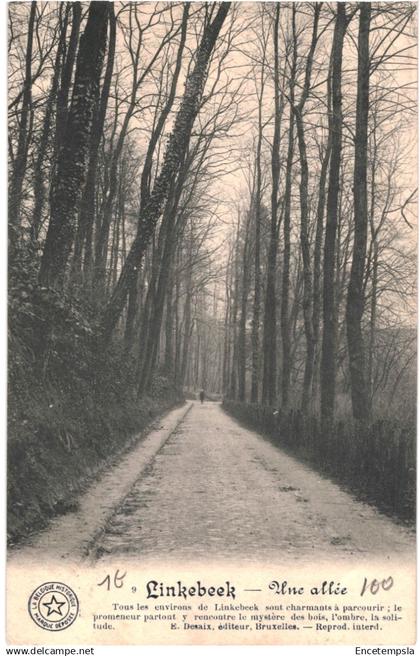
[{"x": 212, "y": 308}]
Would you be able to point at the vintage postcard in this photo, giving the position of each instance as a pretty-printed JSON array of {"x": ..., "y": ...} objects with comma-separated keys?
[{"x": 212, "y": 323}]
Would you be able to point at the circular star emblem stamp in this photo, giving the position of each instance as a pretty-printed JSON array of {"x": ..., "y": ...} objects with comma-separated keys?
[{"x": 53, "y": 606}]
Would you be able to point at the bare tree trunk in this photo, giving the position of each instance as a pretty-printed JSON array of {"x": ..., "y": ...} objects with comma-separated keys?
[
  {"x": 174, "y": 156},
  {"x": 319, "y": 233},
  {"x": 187, "y": 326},
  {"x": 148, "y": 163},
  {"x": 168, "y": 246},
  {"x": 66, "y": 77},
  {"x": 328, "y": 356},
  {"x": 146, "y": 314},
  {"x": 233, "y": 380},
  {"x": 227, "y": 327},
  {"x": 177, "y": 359},
  {"x": 132, "y": 308},
  {"x": 372, "y": 326},
  {"x": 284, "y": 314},
  {"x": 355, "y": 297},
  {"x": 304, "y": 214},
  {"x": 243, "y": 313},
  {"x": 168, "y": 362},
  {"x": 19, "y": 169},
  {"x": 255, "y": 329},
  {"x": 269, "y": 338},
  {"x": 102, "y": 234},
  {"x": 374, "y": 259},
  {"x": 114, "y": 251}
]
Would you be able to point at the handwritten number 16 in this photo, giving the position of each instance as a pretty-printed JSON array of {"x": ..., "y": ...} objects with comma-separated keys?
[{"x": 118, "y": 580}]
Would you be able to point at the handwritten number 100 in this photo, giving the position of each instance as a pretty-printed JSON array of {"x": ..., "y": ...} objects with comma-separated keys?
[{"x": 374, "y": 586}]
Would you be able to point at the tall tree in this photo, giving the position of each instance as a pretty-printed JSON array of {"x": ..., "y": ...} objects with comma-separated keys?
[
  {"x": 244, "y": 293},
  {"x": 335, "y": 127},
  {"x": 285, "y": 284},
  {"x": 45, "y": 138},
  {"x": 145, "y": 180},
  {"x": 139, "y": 74},
  {"x": 87, "y": 205},
  {"x": 255, "y": 329},
  {"x": 355, "y": 297},
  {"x": 71, "y": 166},
  {"x": 233, "y": 378},
  {"x": 20, "y": 162},
  {"x": 66, "y": 72},
  {"x": 304, "y": 210},
  {"x": 174, "y": 156},
  {"x": 269, "y": 334}
]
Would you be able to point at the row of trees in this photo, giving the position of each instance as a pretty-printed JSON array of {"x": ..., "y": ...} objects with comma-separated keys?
[
  {"x": 119, "y": 118},
  {"x": 132, "y": 128},
  {"x": 215, "y": 195},
  {"x": 321, "y": 272}
]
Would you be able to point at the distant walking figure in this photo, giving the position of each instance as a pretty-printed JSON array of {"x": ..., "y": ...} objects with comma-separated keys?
[{"x": 202, "y": 396}]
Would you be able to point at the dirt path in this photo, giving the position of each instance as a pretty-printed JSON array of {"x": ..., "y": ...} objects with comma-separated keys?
[
  {"x": 216, "y": 491},
  {"x": 201, "y": 487},
  {"x": 69, "y": 537}
]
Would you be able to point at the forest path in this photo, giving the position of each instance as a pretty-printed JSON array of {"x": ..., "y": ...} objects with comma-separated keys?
[
  {"x": 217, "y": 491},
  {"x": 70, "y": 536}
]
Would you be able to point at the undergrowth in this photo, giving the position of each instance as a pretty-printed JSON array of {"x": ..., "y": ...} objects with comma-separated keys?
[{"x": 71, "y": 407}]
